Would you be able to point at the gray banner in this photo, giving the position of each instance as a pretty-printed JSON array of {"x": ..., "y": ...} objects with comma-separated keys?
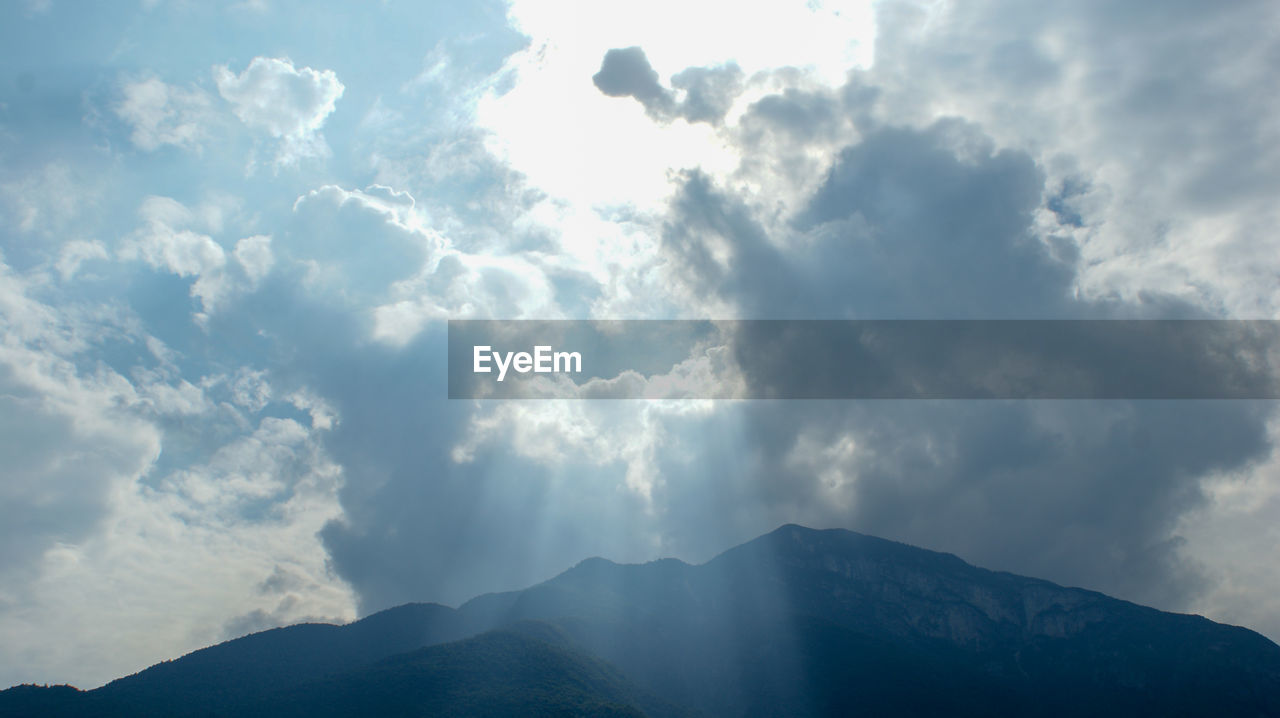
[{"x": 865, "y": 359}]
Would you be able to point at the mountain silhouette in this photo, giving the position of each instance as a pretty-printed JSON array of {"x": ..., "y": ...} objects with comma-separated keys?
[{"x": 798, "y": 622}]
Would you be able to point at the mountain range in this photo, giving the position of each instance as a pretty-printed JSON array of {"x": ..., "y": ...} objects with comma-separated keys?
[{"x": 798, "y": 622}]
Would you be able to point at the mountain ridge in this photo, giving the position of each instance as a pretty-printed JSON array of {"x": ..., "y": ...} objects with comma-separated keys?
[{"x": 800, "y": 621}]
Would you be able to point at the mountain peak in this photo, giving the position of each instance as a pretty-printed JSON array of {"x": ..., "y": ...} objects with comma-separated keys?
[
  {"x": 796, "y": 543},
  {"x": 593, "y": 563}
]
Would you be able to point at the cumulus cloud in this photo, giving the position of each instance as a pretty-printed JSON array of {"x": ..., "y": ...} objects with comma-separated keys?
[
  {"x": 909, "y": 212},
  {"x": 169, "y": 240},
  {"x": 938, "y": 222},
  {"x": 376, "y": 248},
  {"x": 288, "y": 104},
  {"x": 358, "y": 242},
  {"x": 165, "y": 244},
  {"x": 902, "y": 226}
]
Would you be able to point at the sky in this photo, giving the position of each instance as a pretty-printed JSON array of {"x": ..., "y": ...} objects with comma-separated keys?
[{"x": 231, "y": 235}]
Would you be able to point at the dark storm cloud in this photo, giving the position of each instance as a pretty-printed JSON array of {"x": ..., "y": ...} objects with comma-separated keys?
[
  {"x": 708, "y": 91},
  {"x": 755, "y": 274},
  {"x": 416, "y": 526},
  {"x": 937, "y": 222},
  {"x": 903, "y": 226},
  {"x": 1084, "y": 493}
]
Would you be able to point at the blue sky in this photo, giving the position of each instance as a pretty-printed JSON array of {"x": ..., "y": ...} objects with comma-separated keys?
[{"x": 231, "y": 234}]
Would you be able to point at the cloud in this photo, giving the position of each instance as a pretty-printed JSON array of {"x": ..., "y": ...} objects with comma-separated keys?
[
  {"x": 933, "y": 218},
  {"x": 840, "y": 200},
  {"x": 235, "y": 536},
  {"x": 626, "y": 72},
  {"x": 76, "y": 253},
  {"x": 708, "y": 92},
  {"x": 49, "y": 501},
  {"x": 51, "y": 202},
  {"x": 162, "y": 114},
  {"x": 255, "y": 256},
  {"x": 169, "y": 241},
  {"x": 1168, "y": 161},
  {"x": 1232, "y": 539},
  {"x": 826, "y": 38},
  {"x": 149, "y": 478},
  {"x": 936, "y": 222},
  {"x": 359, "y": 242},
  {"x": 446, "y": 499},
  {"x": 1084, "y": 493},
  {"x": 379, "y": 251},
  {"x": 65, "y": 449},
  {"x": 834, "y": 206},
  {"x": 164, "y": 244},
  {"x": 286, "y": 103}
]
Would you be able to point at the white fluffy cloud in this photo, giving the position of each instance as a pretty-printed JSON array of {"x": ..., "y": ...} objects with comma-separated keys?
[
  {"x": 165, "y": 243},
  {"x": 377, "y": 248},
  {"x": 289, "y": 104},
  {"x": 169, "y": 240}
]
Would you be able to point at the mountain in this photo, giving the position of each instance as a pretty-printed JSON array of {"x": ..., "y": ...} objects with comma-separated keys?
[
  {"x": 798, "y": 622},
  {"x": 528, "y": 668},
  {"x": 807, "y": 622},
  {"x": 513, "y": 671}
]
